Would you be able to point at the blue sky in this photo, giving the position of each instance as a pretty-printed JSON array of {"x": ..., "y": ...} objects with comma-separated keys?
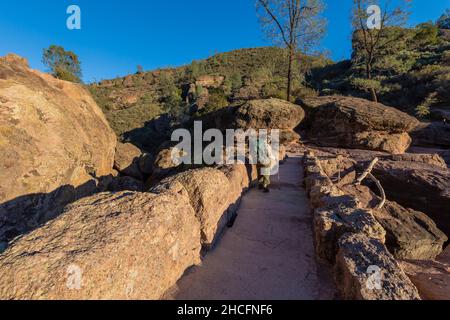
[{"x": 118, "y": 35}]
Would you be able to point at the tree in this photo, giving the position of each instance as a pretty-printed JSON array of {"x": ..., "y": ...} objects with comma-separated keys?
[
  {"x": 295, "y": 24},
  {"x": 62, "y": 64},
  {"x": 374, "y": 38}
]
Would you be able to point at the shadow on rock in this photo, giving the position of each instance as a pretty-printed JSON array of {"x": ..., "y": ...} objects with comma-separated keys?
[{"x": 26, "y": 213}]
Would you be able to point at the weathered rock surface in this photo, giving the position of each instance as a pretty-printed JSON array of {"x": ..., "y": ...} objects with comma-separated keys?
[
  {"x": 258, "y": 114},
  {"x": 146, "y": 164},
  {"x": 110, "y": 246},
  {"x": 126, "y": 160},
  {"x": 118, "y": 184},
  {"x": 358, "y": 257},
  {"x": 332, "y": 223},
  {"x": 269, "y": 114},
  {"x": 410, "y": 234},
  {"x": 432, "y": 278},
  {"x": 434, "y": 134},
  {"x": 209, "y": 192},
  {"x": 240, "y": 177},
  {"x": 54, "y": 144},
  {"x": 358, "y": 123},
  {"x": 350, "y": 238},
  {"x": 419, "y": 186},
  {"x": 430, "y": 159}
]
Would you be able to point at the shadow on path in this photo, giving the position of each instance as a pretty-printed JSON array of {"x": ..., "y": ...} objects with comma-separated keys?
[{"x": 268, "y": 254}]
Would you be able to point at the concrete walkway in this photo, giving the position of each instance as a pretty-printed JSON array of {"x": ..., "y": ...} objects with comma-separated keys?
[{"x": 269, "y": 252}]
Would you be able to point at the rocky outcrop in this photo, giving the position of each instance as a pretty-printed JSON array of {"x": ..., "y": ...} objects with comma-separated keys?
[
  {"x": 208, "y": 81},
  {"x": 55, "y": 145},
  {"x": 127, "y": 159},
  {"x": 434, "y": 134},
  {"x": 350, "y": 238},
  {"x": 410, "y": 234},
  {"x": 428, "y": 159},
  {"x": 209, "y": 191},
  {"x": 357, "y": 123},
  {"x": 110, "y": 246},
  {"x": 365, "y": 270},
  {"x": 125, "y": 245},
  {"x": 420, "y": 186}
]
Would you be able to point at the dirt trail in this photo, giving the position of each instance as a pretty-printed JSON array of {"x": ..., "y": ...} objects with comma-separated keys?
[{"x": 268, "y": 254}]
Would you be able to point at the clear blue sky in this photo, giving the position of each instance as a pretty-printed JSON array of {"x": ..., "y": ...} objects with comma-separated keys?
[{"x": 117, "y": 35}]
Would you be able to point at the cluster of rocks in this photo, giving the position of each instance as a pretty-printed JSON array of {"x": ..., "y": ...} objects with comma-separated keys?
[
  {"x": 350, "y": 122},
  {"x": 75, "y": 220},
  {"x": 128, "y": 245},
  {"x": 132, "y": 222},
  {"x": 55, "y": 146}
]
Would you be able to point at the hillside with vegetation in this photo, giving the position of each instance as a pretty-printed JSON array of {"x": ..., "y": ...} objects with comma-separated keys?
[{"x": 201, "y": 87}]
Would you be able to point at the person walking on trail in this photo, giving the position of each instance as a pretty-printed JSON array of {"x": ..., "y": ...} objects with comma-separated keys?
[{"x": 266, "y": 161}]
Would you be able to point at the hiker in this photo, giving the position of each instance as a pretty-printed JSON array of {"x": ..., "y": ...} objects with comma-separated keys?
[{"x": 266, "y": 161}]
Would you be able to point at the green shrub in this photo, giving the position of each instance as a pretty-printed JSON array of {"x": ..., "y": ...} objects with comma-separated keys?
[
  {"x": 63, "y": 64},
  {"x": 304, "y": 92}
]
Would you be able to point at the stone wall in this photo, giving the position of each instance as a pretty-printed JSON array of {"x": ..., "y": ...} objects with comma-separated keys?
[{"x": 352, "y": 242}]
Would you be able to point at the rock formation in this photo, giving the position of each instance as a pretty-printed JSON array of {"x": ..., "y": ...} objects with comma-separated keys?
[
  {"x": 55, "y": 144},
  {"x": 110, "y": 246},
  {"x": 357, "y": 123}
]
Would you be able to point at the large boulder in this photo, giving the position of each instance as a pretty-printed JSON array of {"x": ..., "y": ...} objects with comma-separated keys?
[
  {"x": 127, "y": 160},
  {"x": 357, "y": 123},
  {"x": 432, "y": 278},
  {"x": 110, "y": 246},
  {"x": 365, "y": 270},
  {"x": 164, "y": 164},
  {"x": 410, "y": 234},
  {"x": 434, "y": 134},
  {"x": 55, "y": 144},
  {"x": 209, "y": 192}
]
